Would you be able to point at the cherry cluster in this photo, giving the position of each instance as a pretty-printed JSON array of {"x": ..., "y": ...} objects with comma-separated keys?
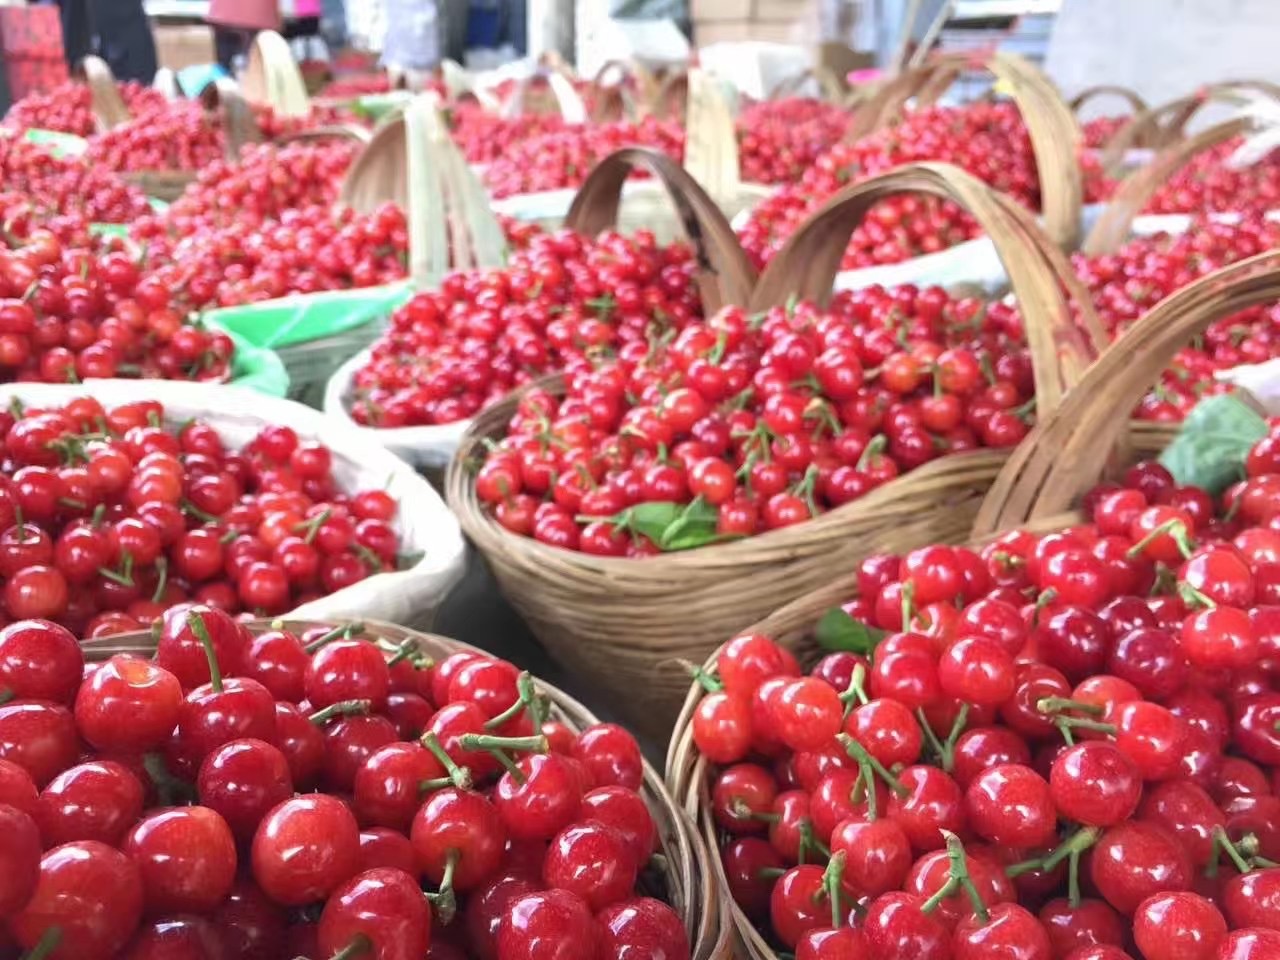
[
  {"x": 563, "y": 158},
  {"x": 1100, "y": 131},
  {"x": 989, "y": 140},
  {"x": 779, "y": 140},
  {"x": 68, "y": 108},
  {"x": 743, "y": 424},
  {"x": 1208, "y": 184},
  {"x": 305, "y": 250},
  {"x": 1055, "y": 747},
  {"x": 108, "y": 518},
  {"x": 21, "y": 217},
  {"x": 68, "y": 185},
  {"x": 484, "y": 137},
  {"x": 356, "y": 85},
  {"x": 1127, "y": 283},
  {"x": 177, "y": 136},
  {"x": 73, "y": 313},
  {"x": 285, "y": 795},
  {"x": 266, "y": 181},
  {"x": 452, "y": 351}
]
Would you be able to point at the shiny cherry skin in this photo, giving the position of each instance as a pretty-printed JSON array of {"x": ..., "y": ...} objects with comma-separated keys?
[
  {"x": 19, "y": 859},
  {"x": 178, "y": 937},
  {"x": 1136, "y": 860},
  {"x": 381, "y": 847},
  {"x": 896, "y": 928},
  {"x": 640, "y": 929},
  {"x": 1251, "y": 943},
  {"x": 16, "y": 788},
  {"x": 1011, "y": 805},
  {"x": 304, "y": 848},
  {"x": 625, "y": 811},
  {"x": 39, "y": 737},
  {"x": 347, "y": 669},
  {"x": 187, "y": 856},
  {"x": 217, "y": 713},
  {"x": 1253, "y": 899},
  {"x": 611, "y": 755},
  {"x": 1010, "y": 931},
  {"x": 550, "y": 925},
  {"x": 459, "y": 825},
  {"x": 1178, "y": 926},
  {"x": 1087, "y": 923},
  {"x": 390, "y": 786},
  {"x": 252, "y": 927},
  {"x": 94, "y": 800},
  {"x": 592, "y": 860},
  {"x": 543, "y": 800},
  {"x": 1095, "y": 784},
  {"x": 128, "y": 705},
  {"x": 91, "y": 892},
  {"x": 382, "y": 910},
  {"x": 832, "y": 944},
  {"x": 40, "y": 660},
  {"x": 241, "y": 781}
]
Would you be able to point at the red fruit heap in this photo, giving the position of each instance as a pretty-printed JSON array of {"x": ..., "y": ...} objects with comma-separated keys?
[
  {"x": 66, "y": 185},
  {"x": 356, "y": 85},
  {"x": 1208, "y": 185},
  {"x": 177, "y": 136},
  {"x": 563, "y": 158},
  {"x": 484, "y": 136},
  {"x": 450, "y": 352},
  {"x": 68, "y": 108},
  {"x": 265, "y": 182},
  {"x": 779, "y": 140},
  {"x": 989, "y": 140},
  {"x": 21, "y": 218},
  {"x": 69, "y": 314},
  {"x": 173, "y": 807},
  {"x": 306, "y": 250},
  {"x": 1057, "y": 747},
  {"x": 1100, "y": 131},
  {"x": 109, "y": 519},
  {"x": 1144, "y": 271},
  {"x": 743, "y": 425}
]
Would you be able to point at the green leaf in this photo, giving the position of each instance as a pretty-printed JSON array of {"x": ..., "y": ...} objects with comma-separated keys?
[
  {"x": 839, "y": 631},
  {"x": 1213, "y": 442},
  {"x": 694, "y": 527},
  {"x": 652, "y": 519}
]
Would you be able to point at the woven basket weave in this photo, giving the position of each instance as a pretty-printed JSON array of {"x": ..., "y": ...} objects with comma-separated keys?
[
  {"x": 1056, "y": 464},
  {"x": 685, "y": 882},
  {"x": 621, "y": 622}
]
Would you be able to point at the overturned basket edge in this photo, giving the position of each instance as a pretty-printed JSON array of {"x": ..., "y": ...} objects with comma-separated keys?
[{"x": 688, "y": 888}]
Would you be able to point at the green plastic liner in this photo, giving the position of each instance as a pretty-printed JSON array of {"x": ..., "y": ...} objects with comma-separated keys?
[{"x": 289, "y": 321}]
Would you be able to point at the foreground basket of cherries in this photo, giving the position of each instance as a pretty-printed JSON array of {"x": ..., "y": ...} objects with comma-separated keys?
[
  {"x": 319, "y": 794},
  {"x": 108, "y": 517},
  {"x": 1054, "y": 747}
]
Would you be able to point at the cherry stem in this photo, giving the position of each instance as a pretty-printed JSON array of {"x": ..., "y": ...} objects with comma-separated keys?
[
  {"x": 1059, "y": 704},
  {"x": 524, "y": 701},
  {"x": 1064, "y": 724},
  {"x": 1043, "y": 600},
  {"x": 1222, "y": 844},
  {"x": 358, "y": 947},
  {"x": 772, "y": 873},
  {"x": 196, "y": 622},
  {"x": 405, "y": 651},
  {"x": 311, "y": 527},
  {"x": 704, "y": 679},
  {"x": 162, "y": 581},
  {"x": 47, "y": 943},
  {"x": 201, "y": 515},
  {"x": 482, "y": 741},
  {"x": 879, "y": 443},
  {"x": 831, "y": 880},
  {"x": 170, "y": 789},
  {"x": 1175, "y": 528},
  {"x": 444, "y": 901},
  {"x": 1195, "y": 598},
  {"x": 460, "y": 776},
  {"x": 935, "y": 744},
  {"x": 346, "y": 630},
  {"x": 742, "y": 810},
  {"x": 6, "y": 695},
  {"x": 1078, "y": 842},
  {"x": 809, "y": 841},
  {"x": 856, "y": 691},
  {"x": 957, "y": 880},
  {"x": 865, "y": 760},
  {"x": 438, "y": 783},
  {"x": 343, "y": 708},
  {"x": 908, "y": 603},
  {"x": 1073, "y": 879}
]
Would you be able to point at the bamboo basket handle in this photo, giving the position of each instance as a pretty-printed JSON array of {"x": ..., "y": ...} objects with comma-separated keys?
[
  {"x": 568, "y": 102},
  {"x": 336, "y": 131},
  {"x": 725, "y": 275},
  {"x": 272, "y": 76},
  {"x": 671, "y": 97},
  {"x": 1062, "y": 344},
  {"x": 109, "y": 109},
  {"x": 711, "y": 140},
  {"x": 1136, "y": 104},
  {"x": 239, "y": 123},
  {"x": 1058, "y": 462},
  {"x": 1052, "y": 127},
  {"x": 1136, "y": 190}
]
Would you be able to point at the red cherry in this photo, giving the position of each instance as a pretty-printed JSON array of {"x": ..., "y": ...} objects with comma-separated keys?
[
  {"x": 381, "y": 912},
  {"x": 305, "y": 848}
]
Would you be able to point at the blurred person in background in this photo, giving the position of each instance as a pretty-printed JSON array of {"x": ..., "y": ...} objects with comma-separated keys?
[
  {"x": 117, "y": 30},
  {"x": 235, "y": 22}
]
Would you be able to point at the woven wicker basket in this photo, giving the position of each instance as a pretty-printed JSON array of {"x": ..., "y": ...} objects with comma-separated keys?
[
  {"x": 271, "y": 76},
  {"x": 1059, "y": 461},
  {"x": 684, "y": 882},
  {"x": 621, "y": 622},
  {"x": 109, "y": 109}
]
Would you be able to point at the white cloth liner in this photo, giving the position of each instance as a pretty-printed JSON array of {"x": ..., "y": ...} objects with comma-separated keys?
[{"x": 408, "y": 597}]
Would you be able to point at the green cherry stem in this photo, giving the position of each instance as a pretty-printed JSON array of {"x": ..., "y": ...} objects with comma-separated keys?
[
  {"x": 443, "y": 900},
  {"x": 343, "y": 708},
  {"x": 1078, "y": 842},
  {"x": 864, "y": 760},
  {"x": 958, "y": 880},
  {"x": 358, "y": 947},
  {"x": 524, "y": 701},
  {"x": 460, "y": 776},
  {"x": 831, "y": 881},
  {"x": 482, "y": 741},
  {"x": 196, "y": 622},
  {"x": 47, "y": 943}
]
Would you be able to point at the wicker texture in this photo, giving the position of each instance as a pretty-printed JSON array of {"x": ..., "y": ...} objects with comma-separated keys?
[
  {"x": 622, "y": 622},
  {"x": 272, "y": 76},
  {"x": 1055, "y": 464},
  {"x": 686, "y": 886}
]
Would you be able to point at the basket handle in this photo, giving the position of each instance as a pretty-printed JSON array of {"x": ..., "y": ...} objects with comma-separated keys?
[
  {"x": 611, "y": 99},
  {"x": 240, "y": 124},
  {"x": 109, "y": 109},
  {"x": 671, "y": 97},
  {"x": 1062, "y": 344},
  {"x": 1136, "y": 104},
  {"x": 1052, "y": 127},
  {"x": 568, "y": 101},
  {"x": 825, "y": 77},
  {"x": 272, "y": 76},
  {"x": 725, "y": 275},
  {"x": 1136, "y": 190},
  {"x": 1058, "y": 461}
]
